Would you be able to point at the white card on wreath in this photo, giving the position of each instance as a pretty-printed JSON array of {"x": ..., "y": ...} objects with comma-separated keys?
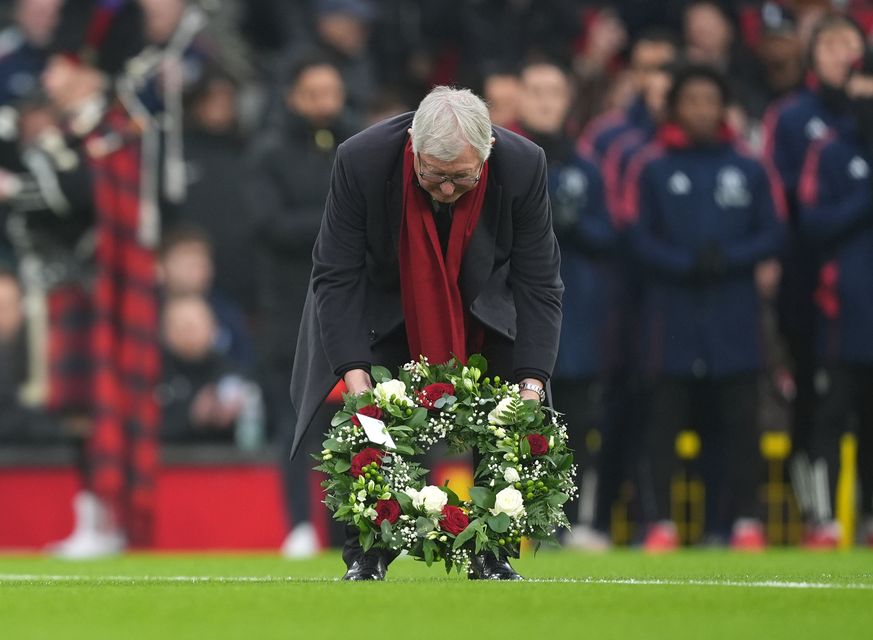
[{"x": 376, "y": 431}]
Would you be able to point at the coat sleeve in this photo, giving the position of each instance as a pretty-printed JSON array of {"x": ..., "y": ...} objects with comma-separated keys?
[
  {"x": 833, "y": 201},
  {"x": 650, "y": 248},
  {"x": 338, "y": 271},
  {"x": 767, "y": 235},
  {"x": 592, "y": 233},
  {"x": 535, "y": 263}
]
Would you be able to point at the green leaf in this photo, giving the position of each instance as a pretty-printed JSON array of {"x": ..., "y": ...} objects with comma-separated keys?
[
  {"x": 405, "y": 449},
  {"x": 557, "y": 499},
  {"x": 380, "y": 374},
  {"x": 482, "y": 497},
  {"x": 387, "y": 533},
  {"x": 339, "y": 418},
  {"x": 367, "y": 539},
  {"x": 423, "y": 525},
  {"x": 478, "y": 361},
  {"x": 429, "y": 549},
  {"x": 466, "y": 534},
  {"x": 454, "y": 500},
  {"x": 342, "y": 466},
  {"x": 331, "y": 445},
  {"x": 499, "y": 523},
  {"x": 404, "y": 500},
  {"x": 419, "y": 417}
]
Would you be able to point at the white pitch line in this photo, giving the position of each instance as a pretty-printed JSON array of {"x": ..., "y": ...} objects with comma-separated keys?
[{"x": 754, "y": 584}]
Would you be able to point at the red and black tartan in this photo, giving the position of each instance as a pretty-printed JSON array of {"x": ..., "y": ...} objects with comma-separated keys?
[
  {"x": 69, "y": 349},
  {"x": 122, "y": 450}
]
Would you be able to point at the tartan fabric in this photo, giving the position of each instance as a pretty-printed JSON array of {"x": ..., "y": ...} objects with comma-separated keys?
[
  {"x": 69, "y": 349},
  {"x": 123, "y": 446}
]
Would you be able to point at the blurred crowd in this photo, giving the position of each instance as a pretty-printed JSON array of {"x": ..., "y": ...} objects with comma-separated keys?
[{"x": 710, "y": 191}]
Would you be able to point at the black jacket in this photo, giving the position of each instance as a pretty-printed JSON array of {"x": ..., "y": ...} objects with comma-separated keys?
[{"x": 509, "y": 280}]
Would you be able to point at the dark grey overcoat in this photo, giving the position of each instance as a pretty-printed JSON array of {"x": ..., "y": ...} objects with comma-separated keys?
[{"x": 509, "y": 280}]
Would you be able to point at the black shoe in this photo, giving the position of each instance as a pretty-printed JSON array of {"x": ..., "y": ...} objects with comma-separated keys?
[
  {"x": 485, "y": 566},
  {"x": 368, "y": 566}
]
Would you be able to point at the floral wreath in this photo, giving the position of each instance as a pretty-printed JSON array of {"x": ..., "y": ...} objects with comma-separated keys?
[{"x": 374, "y": 483}]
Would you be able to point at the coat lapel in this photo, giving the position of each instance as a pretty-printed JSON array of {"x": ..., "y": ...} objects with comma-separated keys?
[{"x": 479, "y": 257}]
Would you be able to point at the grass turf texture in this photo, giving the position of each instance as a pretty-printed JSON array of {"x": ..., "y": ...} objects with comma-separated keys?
[{"x": 624, "y": 594}]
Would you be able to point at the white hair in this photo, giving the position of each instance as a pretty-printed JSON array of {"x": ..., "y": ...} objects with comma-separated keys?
[{"x": 449, "y": 119}]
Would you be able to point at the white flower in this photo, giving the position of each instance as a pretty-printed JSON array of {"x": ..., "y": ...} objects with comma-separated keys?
[
  {"x": 510, "y": 474},
  {"x": 500, "y": 433},
  {"x": 433, "y": 499},
  {"x": 501, "y": 414},
  {"x": 509, "y": 501},
  {"x": 396, "y": 388},
  {"x": 416, "y": 496}
]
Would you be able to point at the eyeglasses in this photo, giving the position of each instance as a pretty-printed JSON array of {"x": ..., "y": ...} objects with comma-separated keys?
[{"x": 436, "y": 178}]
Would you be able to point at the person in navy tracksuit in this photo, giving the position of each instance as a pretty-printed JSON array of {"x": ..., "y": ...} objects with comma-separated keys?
[
  {"x": 587, "y": 238},
  {"x": 707, "y": 215},
  {"x": 836, "y": 216},
  {"x": 790, "y": 126}
]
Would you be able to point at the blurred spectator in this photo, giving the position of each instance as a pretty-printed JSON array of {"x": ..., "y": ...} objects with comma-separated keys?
[
  {"x": 585, "y": 233},
  {"x": 706, "y": 217},
  {"x": 383, "y": 107},
  {"x": 288, "y": 180},
  {"x": 13, "y": 358},
  {"x": 500, "y": 89},
  {"x": 187, "y": 269},
  {"x": 648, "y": 56},
  {"x": 23, "y": 47},
  {"x": 214, "y": 167},
  {"x": 710, "y": 38},
  {"x": 790, "y": 127},
  {"x": 203, "y": 396},
  {"x": 781, "y": 51},
  {"x": 836, "y": 216}
]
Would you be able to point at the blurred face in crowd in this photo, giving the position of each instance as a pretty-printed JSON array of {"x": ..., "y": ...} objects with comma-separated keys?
[
  {"x": 782, "y": 57},
  {"x": 655, "y": 92},
  {"x": 648, "y": 57},
  {"x": 318, "y": 95},
  {"x": 834, "y": 52},
  {"x": 161, "y": 18},
  {"x": 11, "y": 310},
  {"x": 466, "y": 165},
  {"x": 186, "y": 269},
  {"x": 32, "y": 122},
  {"x": 708, "y": 34},
  {"x": 699, "y": 109},
  {"x": 344, "y": 32},
  {"x": 189, "y": 328},
  {"x": 545, "y": 98},
  {"x": 68, "y": 84},
  {"x": 216, "y": 109},
  {"x": 37, "y": 19},
  {"x": 501, "y": 93}
]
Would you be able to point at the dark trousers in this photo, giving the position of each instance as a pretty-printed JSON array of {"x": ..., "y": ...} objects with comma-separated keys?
[
  {"x": 732, "y": 411},
  {"x": 845, "y": 400}
]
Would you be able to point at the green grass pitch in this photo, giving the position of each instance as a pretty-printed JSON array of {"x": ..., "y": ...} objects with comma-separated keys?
[{"x": 623, "y": 594}]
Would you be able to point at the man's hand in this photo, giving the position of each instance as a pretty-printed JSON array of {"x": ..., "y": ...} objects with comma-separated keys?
[
  {"x": 357, "y": 381},
  {"x": 528, "y": 394}
]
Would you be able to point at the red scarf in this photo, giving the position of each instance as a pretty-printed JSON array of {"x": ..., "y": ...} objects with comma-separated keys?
[
  {"x": 437, "y": 325},
  {"x": 123, "y": 445}
]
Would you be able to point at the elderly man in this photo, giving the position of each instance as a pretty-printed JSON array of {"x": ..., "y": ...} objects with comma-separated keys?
[{"x": 436, "y": 240}]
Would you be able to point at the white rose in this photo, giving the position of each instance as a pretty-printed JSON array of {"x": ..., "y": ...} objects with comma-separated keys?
[
  {"x": 384, "y": 391},
  {"x": 433, "y": 499},
  {"x": 496, "y": 416},
  {"x": 416, "y": 496},
  {"x": 510, "y": 474},
  {"x": 509, "y": 501}
]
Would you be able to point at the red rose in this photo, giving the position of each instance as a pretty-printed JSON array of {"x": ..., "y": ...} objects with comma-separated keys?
[
  {"x": 371, "y": 411},
  {"x": 364, "y": 458},
  {"x": 387, "y": 510},
  {"x": 428, "y": 396},
  {"x": 454, "y": 520},
  {"x": 539, "y": 446}
]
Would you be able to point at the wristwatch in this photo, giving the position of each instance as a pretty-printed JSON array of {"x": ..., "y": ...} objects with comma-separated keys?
[{"x": 535, "y": 388}]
